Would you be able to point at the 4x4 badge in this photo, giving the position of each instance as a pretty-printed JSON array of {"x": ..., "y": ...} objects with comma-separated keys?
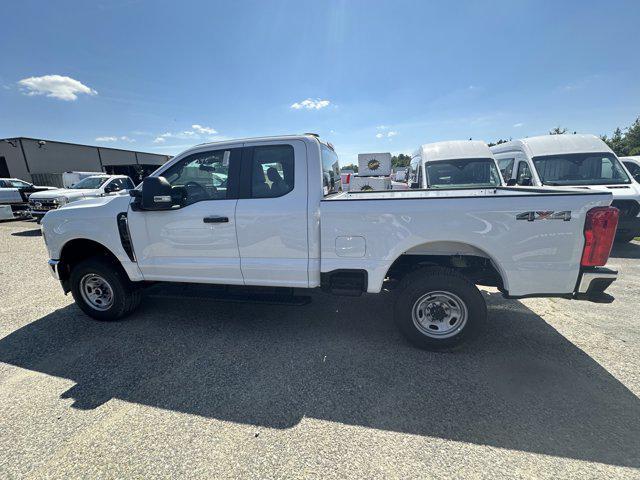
[{"x": 546, "y": 215}]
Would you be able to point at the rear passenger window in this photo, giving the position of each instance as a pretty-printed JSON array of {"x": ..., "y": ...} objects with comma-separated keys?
[
  {"x": 272, "y": 169},
  {"x": 331, "y": 180}
]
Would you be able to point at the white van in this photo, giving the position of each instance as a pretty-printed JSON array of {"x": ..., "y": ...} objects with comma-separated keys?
[
  {"x": 454, "y": 164},
  {"x": 574, "y": 161},
  {"x": 633, "y": 166}
]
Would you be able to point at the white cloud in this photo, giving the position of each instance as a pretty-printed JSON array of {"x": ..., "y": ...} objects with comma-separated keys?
[
  {"x": 159, "y": 139},
  {"x": 106, "y": 139},
  {"x": 382, "y": 127},
  {"x": 202, "y": 130},
  {"x": 389, "y": 134},
  {"x": 310, "y": 104},
  {"x": 124, "y": 138},
  {"x": 56, "y": 86},
  {"x": 518, "y": 125}
]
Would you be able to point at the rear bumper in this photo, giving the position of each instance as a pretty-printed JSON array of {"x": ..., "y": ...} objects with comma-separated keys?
[
  {"x": 592, "y": 284},
  {"x": 14, "y": 211}
]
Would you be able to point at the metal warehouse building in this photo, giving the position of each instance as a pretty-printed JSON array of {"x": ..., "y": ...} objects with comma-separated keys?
[{"x": 44, "y": 161}]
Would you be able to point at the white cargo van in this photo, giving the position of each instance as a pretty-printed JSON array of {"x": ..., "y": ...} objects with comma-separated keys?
[
  {"x": 453, "y": 164},
  {"x": 633, "y": 166},
  {"x": 583, "y": 162}
]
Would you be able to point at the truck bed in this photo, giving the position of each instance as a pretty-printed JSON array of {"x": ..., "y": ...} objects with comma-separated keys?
[{"x": 540, "y": 256}]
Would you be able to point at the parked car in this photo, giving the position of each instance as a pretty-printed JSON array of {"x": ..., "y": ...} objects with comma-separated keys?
[
  {"x": 284, "y": 228},
  {"x": 94, "y": 186},
  {"x": 452, "y": 165},
  {"x": 24, "y": 187},
  {"x": 633, "y": 166},
  {"x": 582, "y": 162},
  {"x": 13, "y": 204}
]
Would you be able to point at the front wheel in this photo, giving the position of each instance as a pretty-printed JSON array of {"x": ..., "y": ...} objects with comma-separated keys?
[
  {"x": 102, "y": 290},
  {"x": 438, "y": 309}
]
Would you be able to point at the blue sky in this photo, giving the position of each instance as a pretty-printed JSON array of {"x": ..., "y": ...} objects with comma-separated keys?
[{"x": 378, "y": 76}]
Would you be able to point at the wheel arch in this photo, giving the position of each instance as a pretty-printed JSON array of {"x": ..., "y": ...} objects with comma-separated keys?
[
  {"x": 76, "y": 250},
  {"x": 470, "y": 260}
]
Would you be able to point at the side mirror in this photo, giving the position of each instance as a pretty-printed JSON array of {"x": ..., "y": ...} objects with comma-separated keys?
[
  {"x": 156, "y": 194},
  {"x": 526, "y": 182},
  {"x": 512, "y": 182},
  {"x": 414, "y": 185}
]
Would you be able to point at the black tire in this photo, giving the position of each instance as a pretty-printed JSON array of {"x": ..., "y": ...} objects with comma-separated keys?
[
  {"x": 452, "y": 330},
  {"x": 624, "y": 237},
  {"x": 125, "y": 296}
]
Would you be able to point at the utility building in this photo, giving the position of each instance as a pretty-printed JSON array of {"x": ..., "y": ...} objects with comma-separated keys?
[{"x": 44, "y": 161}]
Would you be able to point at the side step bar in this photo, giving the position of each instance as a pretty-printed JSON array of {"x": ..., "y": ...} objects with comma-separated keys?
[{"x": 228, "y": 293}]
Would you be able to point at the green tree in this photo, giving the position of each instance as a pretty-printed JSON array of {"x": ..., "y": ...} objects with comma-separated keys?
[
  {"x": 399, "y": 161},
  {"x": 500, "y": 140},
  {"x": 558, "y": 131},
  {"x": 632, "y": 138},
  {"x": 351, "y": 167},
  {"x": 617, "y": 143}
]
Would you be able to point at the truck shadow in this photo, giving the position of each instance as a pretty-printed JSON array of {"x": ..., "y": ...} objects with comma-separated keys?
[
  {"x": 521, "y": 386},
  {"x": 626, "y": 250},
  {"x": 28, "y": 233}
]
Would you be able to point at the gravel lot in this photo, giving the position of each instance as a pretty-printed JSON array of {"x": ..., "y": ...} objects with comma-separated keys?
[{"x": 198, "y": 388}]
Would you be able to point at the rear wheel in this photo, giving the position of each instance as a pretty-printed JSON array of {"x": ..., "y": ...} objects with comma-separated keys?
[
  {"x": 102, "y": 291},
  {"x": 439, "y": 309}
]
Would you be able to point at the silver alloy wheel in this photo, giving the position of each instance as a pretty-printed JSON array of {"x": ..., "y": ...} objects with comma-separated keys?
[
  {"x": 96, "y": 291},
  {"x": 439, "y": 314}
]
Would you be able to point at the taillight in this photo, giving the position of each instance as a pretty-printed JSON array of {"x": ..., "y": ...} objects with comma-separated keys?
[{"x": 599, "y": 231}]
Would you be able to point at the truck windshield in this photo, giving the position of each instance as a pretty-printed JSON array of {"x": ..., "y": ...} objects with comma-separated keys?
[
  {"x": 462, "y": 173},
  {"x": 580, "y": 169},
  {"x": 90, "y": 183}
]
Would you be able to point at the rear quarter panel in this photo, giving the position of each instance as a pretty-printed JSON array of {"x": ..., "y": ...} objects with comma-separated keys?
[{"x": 534, "y": 257}]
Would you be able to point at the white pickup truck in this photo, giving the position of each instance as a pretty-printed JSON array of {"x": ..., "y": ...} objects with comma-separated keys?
[
  {"x": 268, "y": 212},
  {"x": 94, "y": 186}
]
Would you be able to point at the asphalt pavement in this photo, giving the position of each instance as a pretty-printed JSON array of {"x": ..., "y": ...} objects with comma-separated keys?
[{"x": 196, "y": 388}]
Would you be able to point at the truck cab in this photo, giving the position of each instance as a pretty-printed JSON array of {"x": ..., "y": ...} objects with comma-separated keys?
[
  {"x": 453, "y": 165},
  {"x": 582, "y": 162}
]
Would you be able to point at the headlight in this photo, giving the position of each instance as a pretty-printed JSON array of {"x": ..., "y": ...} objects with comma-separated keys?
[{"x": 61, "y": 201}]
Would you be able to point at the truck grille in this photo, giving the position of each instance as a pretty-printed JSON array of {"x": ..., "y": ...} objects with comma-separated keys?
[
  {"x": 628, "y": 208},
  {"x": 42, "y": 204}
]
